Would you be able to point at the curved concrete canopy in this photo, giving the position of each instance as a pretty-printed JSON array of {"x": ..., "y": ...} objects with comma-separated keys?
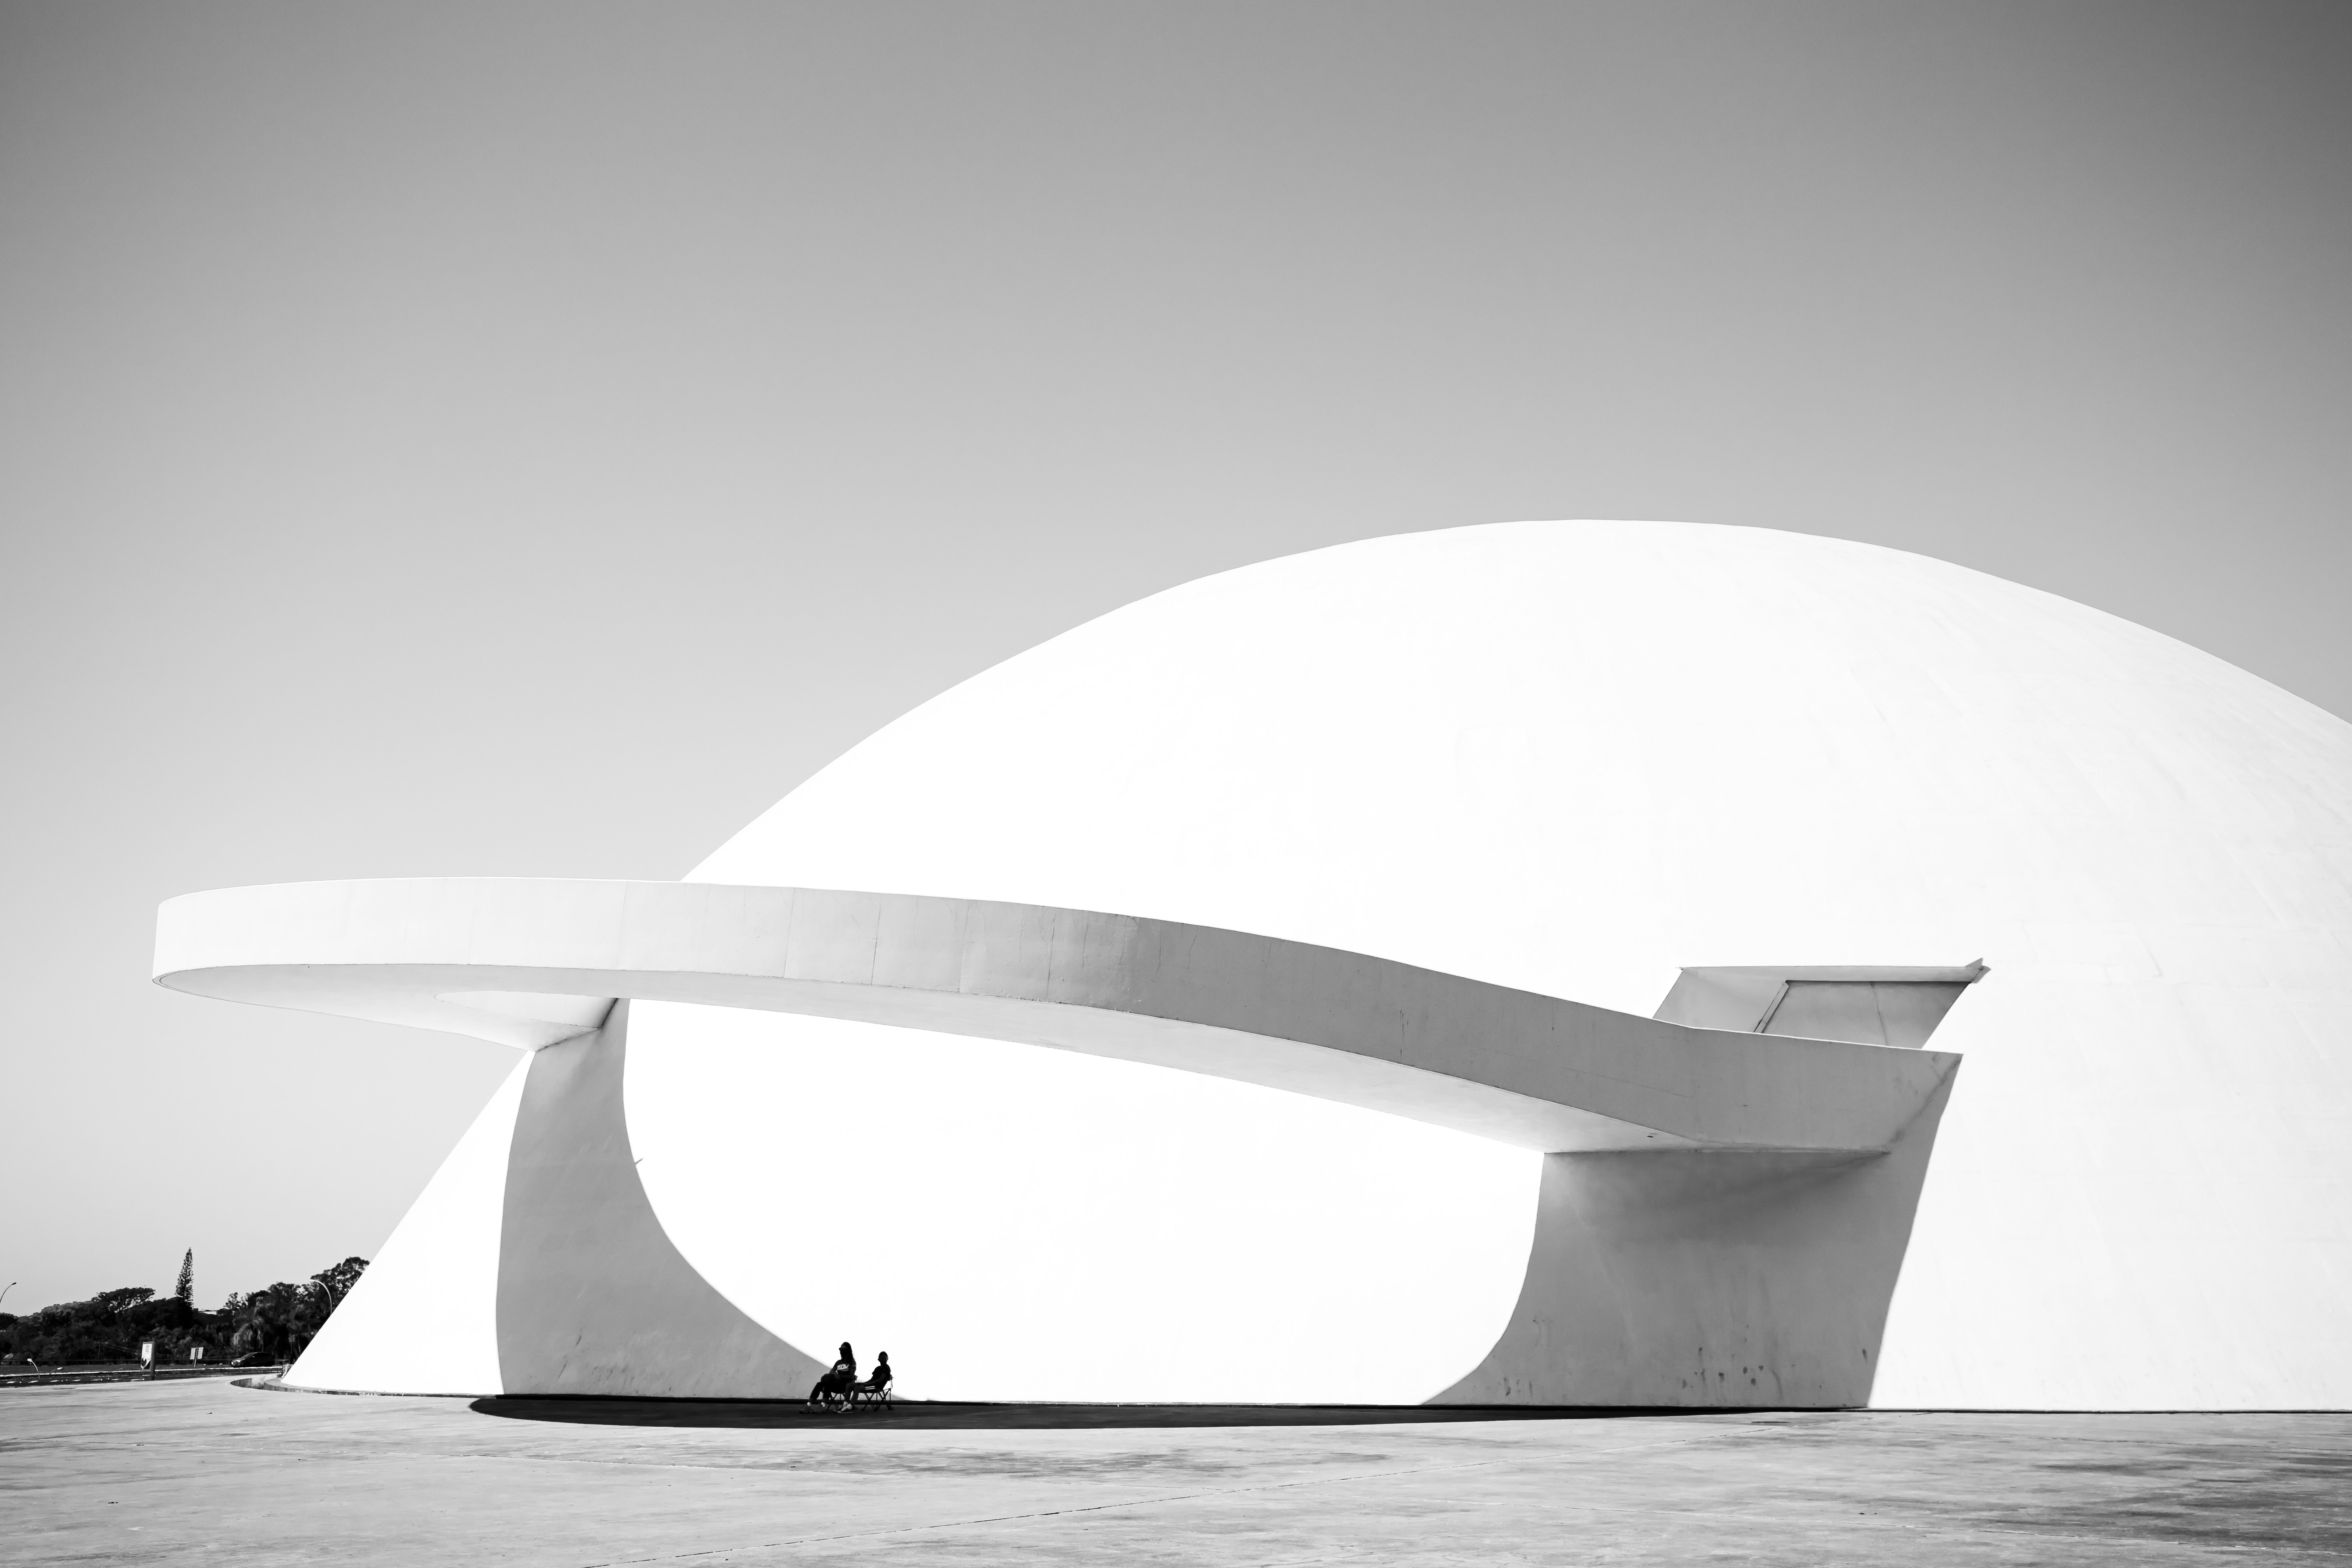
[{"x": 534, "y": 961}]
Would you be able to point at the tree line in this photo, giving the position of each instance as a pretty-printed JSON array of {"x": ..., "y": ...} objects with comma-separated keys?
[{"x": 258, "y": 1327}]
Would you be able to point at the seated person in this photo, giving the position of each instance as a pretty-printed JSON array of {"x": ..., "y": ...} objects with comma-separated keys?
[
  {"x": 841, "y": 1379},
  {"x": 882, "y": 1375}
]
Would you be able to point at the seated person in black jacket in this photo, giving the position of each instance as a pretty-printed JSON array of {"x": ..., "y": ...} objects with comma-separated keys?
[
  {"x": 841, "y": 1379},
  {"x": 882, "y": 1375}
]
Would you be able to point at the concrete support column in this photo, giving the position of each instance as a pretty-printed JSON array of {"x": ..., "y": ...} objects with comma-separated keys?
[
  {"x": 593, "y": 1296},
  {"x": 1708, "y": 1278}
]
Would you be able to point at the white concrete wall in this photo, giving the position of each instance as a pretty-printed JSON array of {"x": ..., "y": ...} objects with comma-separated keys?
[
  {"x": 424, "y": 1318},
  {"x": 1012, "y": 1223},
  {"x": 1770, "y": 1253},
  {"x": 1575, "y": 758},
  {"x": 593, "y": 1298}
]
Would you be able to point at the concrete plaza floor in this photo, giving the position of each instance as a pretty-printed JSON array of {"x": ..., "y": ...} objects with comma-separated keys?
[{"x": 215, "y": 1473}]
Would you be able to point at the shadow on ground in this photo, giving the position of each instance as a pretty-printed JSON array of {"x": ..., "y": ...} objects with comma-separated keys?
[{"x": 928, "y": 1415}]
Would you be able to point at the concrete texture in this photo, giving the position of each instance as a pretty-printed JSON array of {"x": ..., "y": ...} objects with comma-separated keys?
[
  {"x": 532, "y": 962},
  {"x": 592, "y": 1297},
  {"x": 1737, "y": 1246},
  {"x": 1574, "y": 758},
  {"x": 1548, "y": 761},
  {"x": 1698, "y": 1277},
  {"x": 425, "y": 1318},
  {"x": 145, "y": 1473}
]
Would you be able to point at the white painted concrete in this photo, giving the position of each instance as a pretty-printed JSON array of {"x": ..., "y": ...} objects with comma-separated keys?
[
  {"x": 535, "y": 962},
  {"x": 1876, "y": 1006},
  {"x": 594, "y": 1297},
  {"x": 1575, "y": 758},
  {"x": 424, "y": 1318},
  {"x": 1350, "y": 1255}
]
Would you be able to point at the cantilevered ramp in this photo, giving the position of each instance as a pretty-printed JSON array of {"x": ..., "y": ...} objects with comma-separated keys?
[
  {"x": 1723, "y": 1214},
  {"x": 532, "y": 962}
]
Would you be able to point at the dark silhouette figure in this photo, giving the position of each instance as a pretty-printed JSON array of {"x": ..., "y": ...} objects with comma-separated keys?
[
  {"x": 882, "y": 1375},
  {"x": 840, "y": 1380}
]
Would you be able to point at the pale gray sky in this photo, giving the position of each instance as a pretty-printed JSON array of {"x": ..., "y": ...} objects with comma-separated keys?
[{"x": 531, "y": 438}]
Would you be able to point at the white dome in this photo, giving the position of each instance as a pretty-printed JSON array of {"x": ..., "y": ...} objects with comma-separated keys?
[{"x": 1572, "y": 758}]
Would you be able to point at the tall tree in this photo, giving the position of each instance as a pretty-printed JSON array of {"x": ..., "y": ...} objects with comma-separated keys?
[
  {"x": 336, "y": 1283},
  {"x": 185, "y": 1290}
]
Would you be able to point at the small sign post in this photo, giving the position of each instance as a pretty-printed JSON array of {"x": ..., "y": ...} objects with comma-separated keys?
[{"x": 147, "y": 1357}]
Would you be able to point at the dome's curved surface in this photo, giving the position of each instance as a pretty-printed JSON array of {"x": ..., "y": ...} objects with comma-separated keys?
[{"x": 1572, "y": 758}]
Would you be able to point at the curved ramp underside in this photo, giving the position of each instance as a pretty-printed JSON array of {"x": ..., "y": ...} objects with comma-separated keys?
[
  {"x": 1724, "y": 1210},
  {"x": 581, "y": 1289},
  {"x": 533, "y": 962}
]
